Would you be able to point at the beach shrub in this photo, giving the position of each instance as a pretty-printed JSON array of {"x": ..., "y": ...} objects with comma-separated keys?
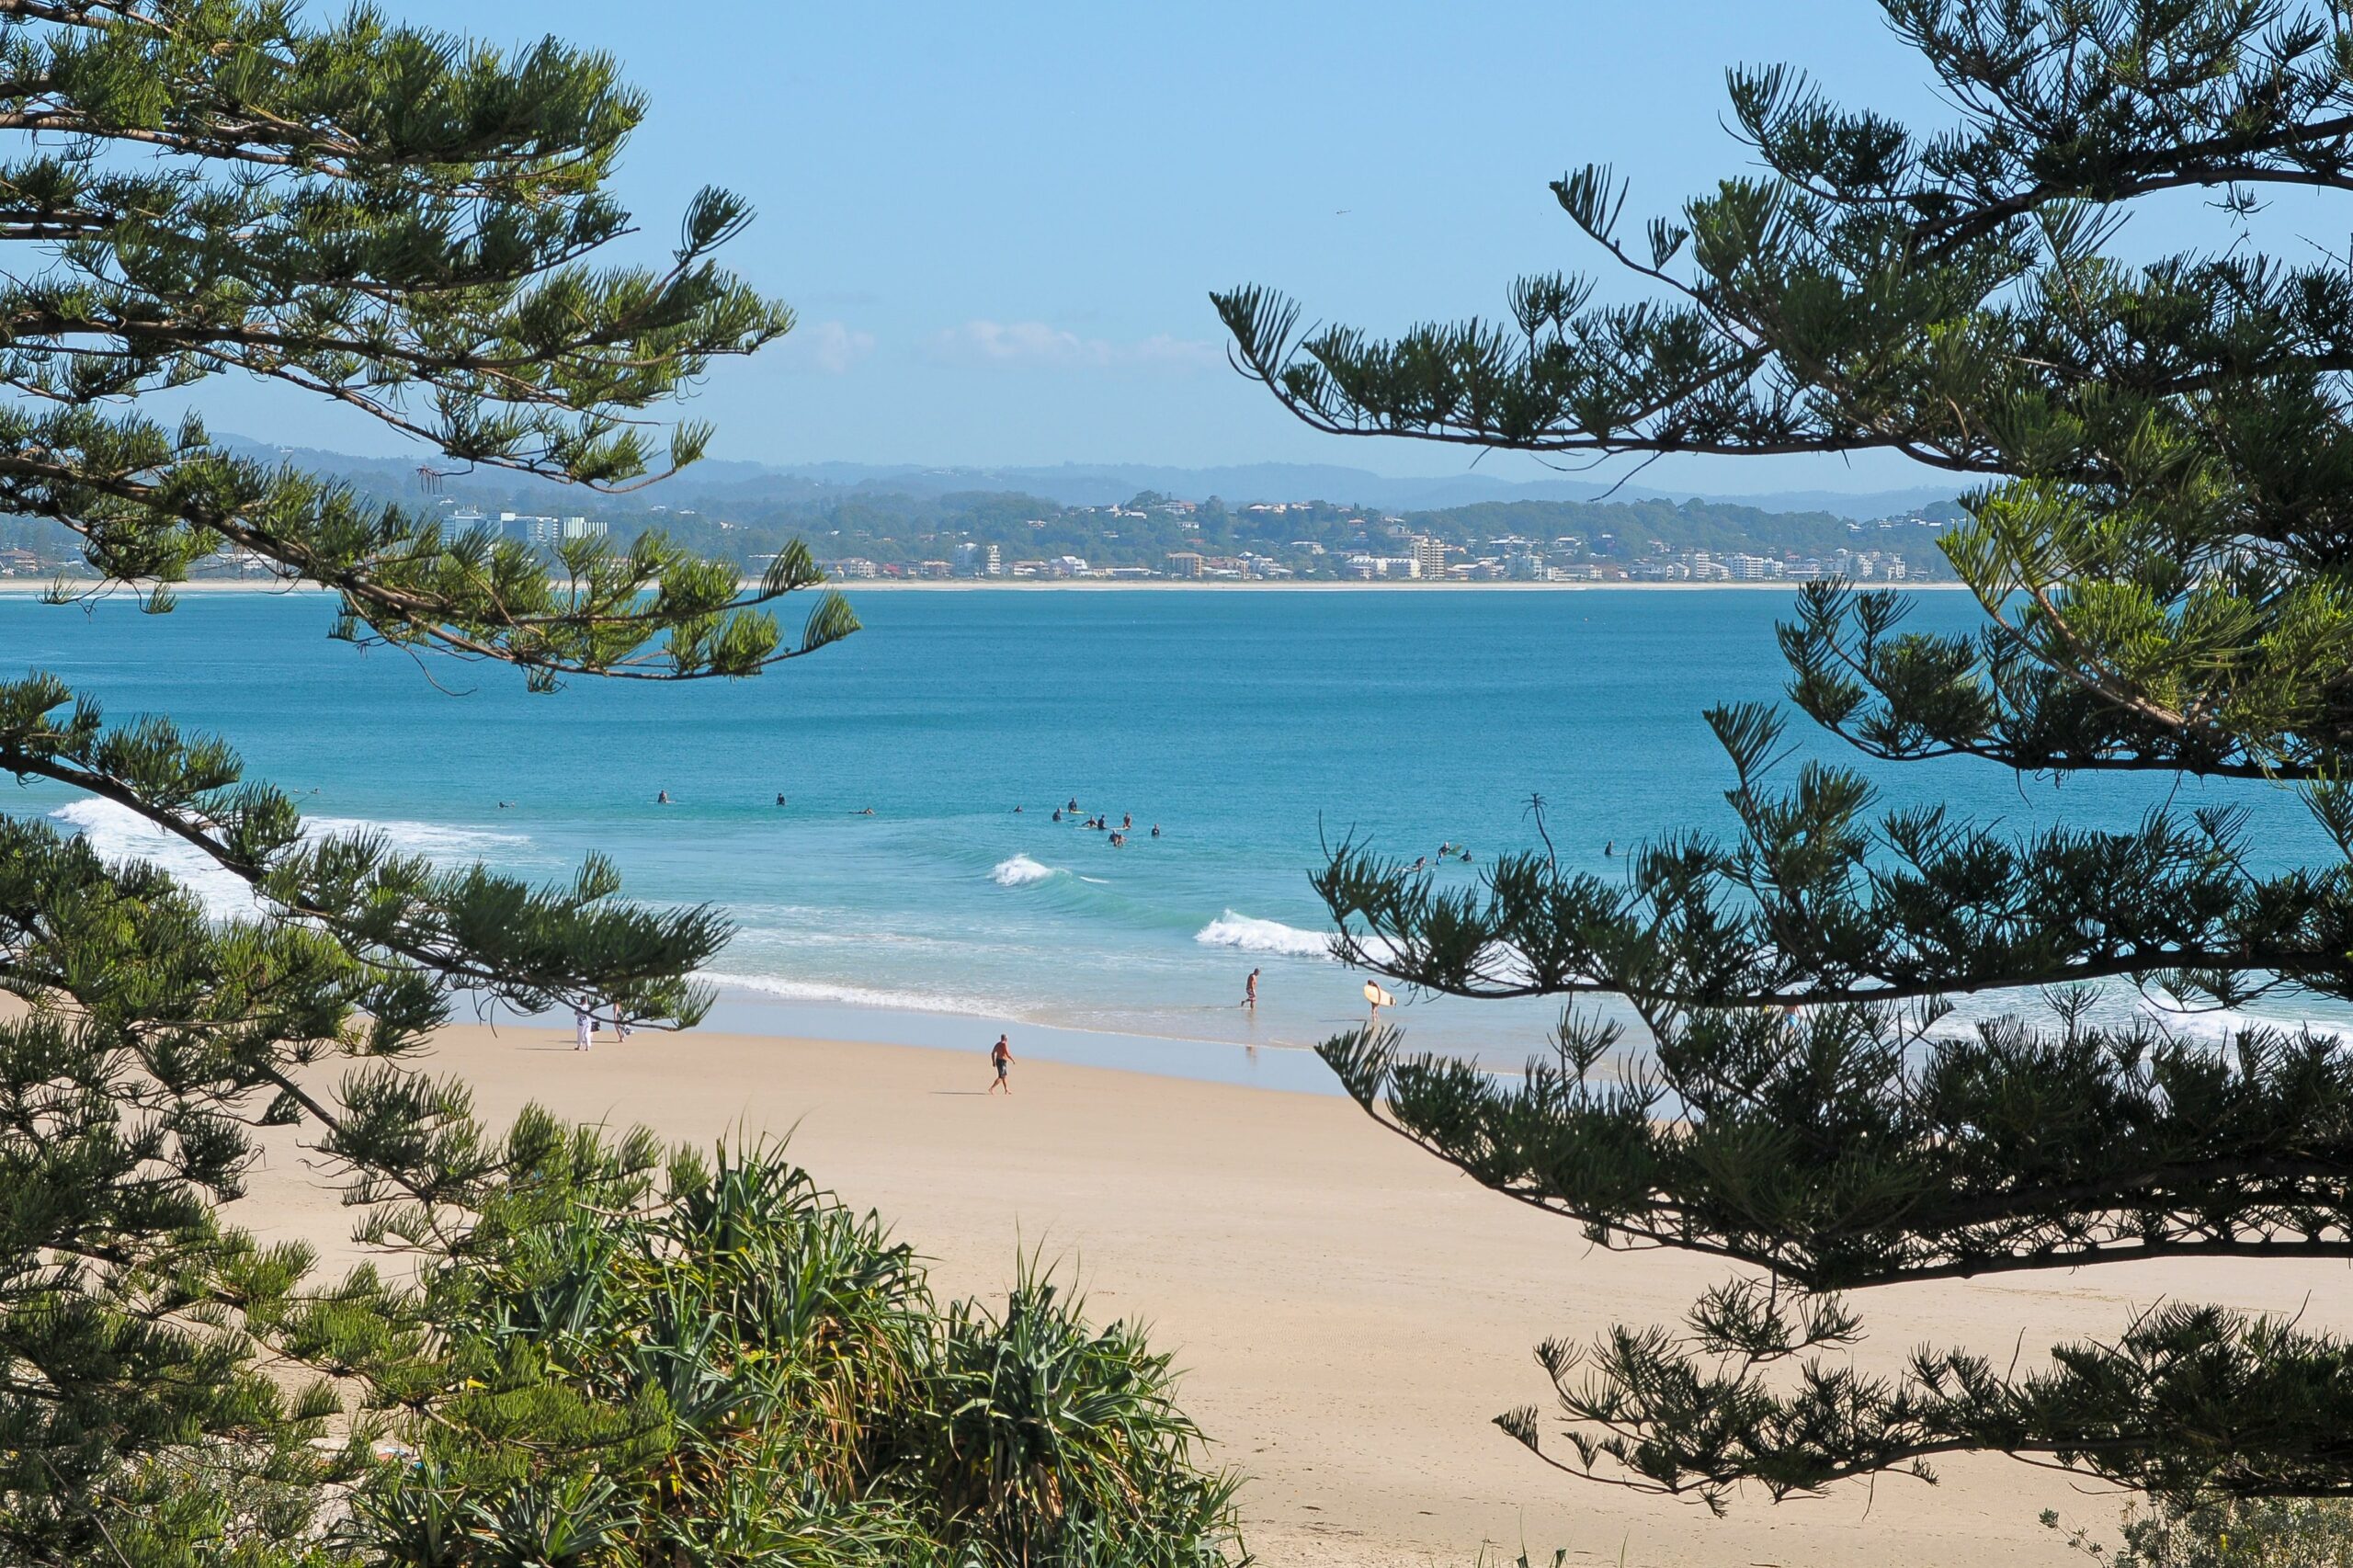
[
  {"x": 697, "y": 1361},
  {"x": 2273, "y": 1532},
  {"x": 2157, "y": 454}
]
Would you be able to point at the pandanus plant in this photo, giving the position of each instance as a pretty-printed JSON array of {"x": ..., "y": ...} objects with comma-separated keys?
[{"x": 680, "y": 1361}]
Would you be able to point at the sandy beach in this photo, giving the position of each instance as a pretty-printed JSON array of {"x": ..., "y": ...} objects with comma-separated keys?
[{"x": 1351, "y": 1311}]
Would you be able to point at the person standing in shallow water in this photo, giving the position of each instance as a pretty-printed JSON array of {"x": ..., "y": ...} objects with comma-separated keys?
[
  {"x": 1250, "y": 992},
  {"x": 1001, "y": 1057}
]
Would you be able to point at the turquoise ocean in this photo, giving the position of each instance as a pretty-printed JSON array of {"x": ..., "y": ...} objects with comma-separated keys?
[{"x": 1252, "y": 727}]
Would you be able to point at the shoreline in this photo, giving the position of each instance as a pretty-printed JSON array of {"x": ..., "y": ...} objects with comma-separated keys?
[
  {"x": 1372, "y": 585},
  {"x": 29, "y": 587},
  {"x": 1273, "y": 1066},
  {"x": 1349, "y": 1313}
]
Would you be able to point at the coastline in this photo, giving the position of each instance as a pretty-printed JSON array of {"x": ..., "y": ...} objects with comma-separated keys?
[
  {"x": 29, "y": 587},
  {"x": 1350, "y": 1313},
  {"x": 1373, "y": 584},
  {"x": 1284, "y": 1067}
]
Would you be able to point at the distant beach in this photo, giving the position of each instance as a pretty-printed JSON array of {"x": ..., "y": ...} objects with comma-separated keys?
[{"x": 1357, "y": 585}]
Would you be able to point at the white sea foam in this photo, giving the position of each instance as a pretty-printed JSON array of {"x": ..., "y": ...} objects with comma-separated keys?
[
  {"x": 1252, "y": 935},
  {"x": 1019, "y": 872},
  {"x": 853, "y": 996},
  {"x": 118, "y": 833},
  {"x": 2120, "y": 1007},
  {"x": 432, "y": 840}
]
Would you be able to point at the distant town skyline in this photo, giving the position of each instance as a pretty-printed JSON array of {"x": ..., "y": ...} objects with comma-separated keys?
[{"x": 999, "y": 226}]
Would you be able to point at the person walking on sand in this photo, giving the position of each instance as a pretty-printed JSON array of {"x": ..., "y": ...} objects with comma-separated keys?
[
  {"x": 1001, "y": 1057},
  {"x": 1250, "y": 992},
  {"x": 581, "y": 1025}
]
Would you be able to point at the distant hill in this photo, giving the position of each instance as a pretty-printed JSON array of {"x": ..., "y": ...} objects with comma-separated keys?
[
  {"x": 1105, "y": 484},
  {"x": 1260, "y": 520}
]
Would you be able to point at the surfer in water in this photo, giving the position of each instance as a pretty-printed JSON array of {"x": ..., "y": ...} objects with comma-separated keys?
[
  {"x": 1250, "y": 992},
  {"x": 1058, "y": 814},
  {"x": 1156, "y": 830},
  {"x": 1001, "y": 1057},
  {"x": 661, "y": 797},
  {"x": 1127, "y": 821},
  {"x": 779, "y": 797}
]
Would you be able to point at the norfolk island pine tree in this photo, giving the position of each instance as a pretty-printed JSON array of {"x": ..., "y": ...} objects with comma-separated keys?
[
  {"x": 2157, "y": 461},
  {"x": 414, "y": 226}
]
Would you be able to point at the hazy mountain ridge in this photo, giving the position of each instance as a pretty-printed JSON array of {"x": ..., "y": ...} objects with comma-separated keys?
[{"x": 1105, "y": 484}]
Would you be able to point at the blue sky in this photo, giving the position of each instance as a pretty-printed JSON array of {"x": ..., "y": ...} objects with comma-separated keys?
[{"x": 999, "y": 223}]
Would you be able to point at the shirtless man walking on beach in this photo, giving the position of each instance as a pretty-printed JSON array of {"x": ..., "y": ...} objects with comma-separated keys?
[
  {"x": 1001, "y": 1057},
  {"x": 1250, "y": 992}
]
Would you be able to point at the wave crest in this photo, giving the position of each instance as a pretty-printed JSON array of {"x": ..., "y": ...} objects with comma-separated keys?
[
  {"x": 1019, "y": 872},
  {"x": 433, "y": 840},
  {"x": 1252, "y": 935},
  {"x": 118, "y": 834}
]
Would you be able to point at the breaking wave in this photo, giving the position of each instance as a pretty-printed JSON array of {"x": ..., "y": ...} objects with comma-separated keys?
[
  {"x": 1251, "y": 935},
  {"x": 432, "y": 840},
  {"x": 117, "y": 834},
  {"x": 1020, "y": 872}
]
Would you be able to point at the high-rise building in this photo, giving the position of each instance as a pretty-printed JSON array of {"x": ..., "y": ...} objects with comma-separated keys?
[
  {"x": 1184, "y": 563},
  {"x": 1430, "y": 556}
]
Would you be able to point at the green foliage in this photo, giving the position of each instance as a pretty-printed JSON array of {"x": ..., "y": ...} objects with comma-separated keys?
[
  {"x": 403, "y": 222},
  {"x": 412, "y": 227},
  {"x": 2158, "y": 541},
  {"x": 714, "y": 1362}
]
